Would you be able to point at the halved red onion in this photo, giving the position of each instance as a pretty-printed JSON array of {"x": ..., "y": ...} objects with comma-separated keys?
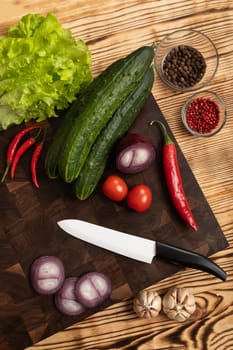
[
  {"x": 47, "y": 274},
  {"x": 65, "y": 299},
  {"x": 93, "y": 289},
  {"x": 134, "y": 154}
]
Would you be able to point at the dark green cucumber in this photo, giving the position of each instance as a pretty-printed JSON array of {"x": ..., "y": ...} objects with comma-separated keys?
[
  {"x": 99, "y": 110},
  {"x": 118, "y": 125},
  {"x": 54, "y": 150},
  {"x": 53, "y": 153}
]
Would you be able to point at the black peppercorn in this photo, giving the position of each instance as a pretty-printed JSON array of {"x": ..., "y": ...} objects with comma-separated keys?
[{"x": 184, "y": 66}]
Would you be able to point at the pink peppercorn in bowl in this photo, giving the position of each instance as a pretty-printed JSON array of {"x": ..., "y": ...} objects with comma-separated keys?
[{"x": 204, "y": 114}]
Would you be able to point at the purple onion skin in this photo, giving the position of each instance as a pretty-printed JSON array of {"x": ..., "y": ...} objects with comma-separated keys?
[
  {"x": 65, "y": 299},
  {"x": 92, "y": 289},
  {"x": 134, "y": 154},
  {"x": 47, "y": 274}
]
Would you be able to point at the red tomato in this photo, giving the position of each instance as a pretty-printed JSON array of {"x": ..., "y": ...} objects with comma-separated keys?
[
  {"x": 139, "y": 198},
  {"x": 115, "y": 188}
]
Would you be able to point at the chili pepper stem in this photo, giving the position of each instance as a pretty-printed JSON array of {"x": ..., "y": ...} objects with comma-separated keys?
[
  {"x": 167, "y": 138},
  {"x": 8, "y": 164}
]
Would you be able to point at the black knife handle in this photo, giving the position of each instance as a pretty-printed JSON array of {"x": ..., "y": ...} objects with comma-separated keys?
[{"x": 188, "y": 258}]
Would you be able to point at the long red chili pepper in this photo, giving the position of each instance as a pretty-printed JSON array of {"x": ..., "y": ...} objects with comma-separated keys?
[
  {"x": 34, "y": 162},
  {"x": 174, "y": 180},
  {"x": 21, "y": 150},
  {"x": 13, "y": 145}
]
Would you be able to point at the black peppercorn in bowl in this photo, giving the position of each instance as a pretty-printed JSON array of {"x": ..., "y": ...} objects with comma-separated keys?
[
  {"x": 186, "y": 60},
  {"x": 204, "y": 113}
]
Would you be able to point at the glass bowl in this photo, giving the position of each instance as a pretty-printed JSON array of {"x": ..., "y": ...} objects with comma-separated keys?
[
  {"x": 186, "y": 60},
  {"x": 204, "y": 114}
]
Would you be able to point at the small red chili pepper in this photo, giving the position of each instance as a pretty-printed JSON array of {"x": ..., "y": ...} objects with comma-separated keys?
[
  {"x": 21, "y": 150},
  {"x": 174, "y": 180},
  {"x": 13, "y": 145},
  {"x": 34, "y": 161}
]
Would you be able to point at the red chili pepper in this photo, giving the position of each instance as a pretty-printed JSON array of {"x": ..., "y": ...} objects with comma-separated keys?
[
  {"x": 34, "y": 162},
  {"x": 13, "y": 145},
  {"x": 174, "y": 180},
  {"x": 21, "y": 150}
]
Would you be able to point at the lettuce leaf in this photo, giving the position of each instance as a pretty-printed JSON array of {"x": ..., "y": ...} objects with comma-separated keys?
[{"x": 42, "y": 69}]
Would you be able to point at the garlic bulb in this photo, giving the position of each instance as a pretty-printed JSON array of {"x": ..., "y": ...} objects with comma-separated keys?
[
  {"x": 178, "y": 304},
  {"x": 147, "y": 304}
]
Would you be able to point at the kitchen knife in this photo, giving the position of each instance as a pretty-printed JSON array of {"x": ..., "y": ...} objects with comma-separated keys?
[{"x": 138, "y": 248}]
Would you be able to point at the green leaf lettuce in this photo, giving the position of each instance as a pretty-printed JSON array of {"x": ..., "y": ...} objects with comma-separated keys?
[{"x": 42, "y": 69}]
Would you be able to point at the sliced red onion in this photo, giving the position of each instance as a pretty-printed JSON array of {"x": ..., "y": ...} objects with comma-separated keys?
[
  {"x": 134, "y": 154},
  {"x": 47, "y": 274},
  {"x": 65, "y": 299},
  {"x": 93, "y": 289}
]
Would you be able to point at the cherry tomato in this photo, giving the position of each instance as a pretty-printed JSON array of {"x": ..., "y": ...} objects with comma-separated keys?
[
  {"x": 115, "y": 188},
  {"x": 139, "y": 198}
]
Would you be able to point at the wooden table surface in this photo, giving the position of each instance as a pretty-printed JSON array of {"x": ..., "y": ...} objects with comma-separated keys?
[{"x": 112, "y": 29}]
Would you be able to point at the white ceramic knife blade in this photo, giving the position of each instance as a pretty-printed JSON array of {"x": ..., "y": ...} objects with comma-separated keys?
[
  {"x": 134, "y": 247},
  {"x": 138, "y": 248}
]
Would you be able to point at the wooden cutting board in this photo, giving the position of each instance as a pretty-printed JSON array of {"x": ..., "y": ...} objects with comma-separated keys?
[{"x": 28, "y": 230}]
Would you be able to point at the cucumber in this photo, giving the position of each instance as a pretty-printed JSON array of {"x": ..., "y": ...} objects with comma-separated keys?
[
  {"x": 54, "y": 150},
  {"x": 118, "y": 125},
  {"x": 99, "y": 110},
  {"x": 53, "y": 153}
]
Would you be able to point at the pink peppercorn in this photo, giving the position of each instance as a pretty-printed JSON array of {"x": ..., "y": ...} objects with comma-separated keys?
[{"x": 202, "y": 115}]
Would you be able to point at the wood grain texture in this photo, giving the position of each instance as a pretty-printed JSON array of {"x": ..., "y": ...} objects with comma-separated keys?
[
  {"x": 112, "y": 29},
  {"x": 30, "y": 229}
]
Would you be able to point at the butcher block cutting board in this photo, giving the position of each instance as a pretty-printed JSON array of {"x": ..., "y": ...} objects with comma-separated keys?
[{"x": 28, "y": 229}]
